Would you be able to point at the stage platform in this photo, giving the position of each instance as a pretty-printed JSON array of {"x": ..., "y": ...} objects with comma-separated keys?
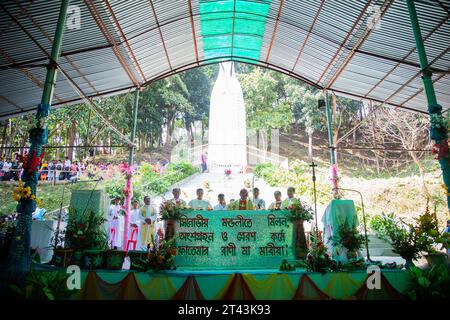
[{"x": 238, "y": 284}]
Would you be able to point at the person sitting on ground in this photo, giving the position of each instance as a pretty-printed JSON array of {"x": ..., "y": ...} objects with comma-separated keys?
[
  {"x": 199, "y": 203},
  {"x": 291, "y": 200},
  {"x": 179, "y": 203},
  {"x": 222, "y": 204},
  {"x": 277, "y": 204},
  {"x": 243, "y": 203},
  {"x": 259, "y": 203}
]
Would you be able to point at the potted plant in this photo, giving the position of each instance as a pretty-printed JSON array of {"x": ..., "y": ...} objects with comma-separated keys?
[
  {"x": 61, "y": 256},
  {"x": 160, "y": 257},
  {"x": 430, "y": 240},
  {"x": 84, "y": 232},
  {"x": 7, "y": 226},
  {"x": 318, "y": 260},
  {"x": 43, "y": 286},
  {"x": 95, "y": 258},
  {"x": 136, "y": 258},
  {"x": 115, "y": 259},
  {"x": 433, "y": 283},
  {"x": 298, "y": 214},
  {"x": 349, "y": 238},
  {"x": 402, "y": 236},
  {"x": 170, "y": 213}
]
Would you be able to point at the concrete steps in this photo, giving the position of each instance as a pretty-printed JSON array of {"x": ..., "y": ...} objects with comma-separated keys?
[{"x": 379, "y": 247}]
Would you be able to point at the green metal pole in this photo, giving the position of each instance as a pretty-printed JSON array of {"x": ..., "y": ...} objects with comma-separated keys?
[
  {"x": 129, "y": 180},
  {"x": 438, "y": 131},
  {"x": 330, "y": 130},
  {"x": 19, "y": 259},
  {"x": 133, "y": 126}
]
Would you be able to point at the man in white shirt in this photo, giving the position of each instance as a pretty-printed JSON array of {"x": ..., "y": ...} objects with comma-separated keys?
[
  {"x": 221, "y": 205},
  {"x": 177, "y": 201},
  {"x": 199, "y": 203},
  {"x": 258, "y": 203},
  {"x": 116, "y": 224}
]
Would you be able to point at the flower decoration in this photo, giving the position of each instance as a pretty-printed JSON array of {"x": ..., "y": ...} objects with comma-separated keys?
[
  {"x": 31, "y": 164},
  {"x": 126, "y": 169},
  {"x": 300, "y": 211},
  {"x": 318, "y": 260},
  {"x": 227, "y": 172},
  {"x": 445, "y": 189},
  {"x": 441, "y": 150},
  {"x": 159, "y": 258},
  {"x": 170, "y": 210},
  {"x": 348, "y": 237},
  {"x": 22, "y": 193}
]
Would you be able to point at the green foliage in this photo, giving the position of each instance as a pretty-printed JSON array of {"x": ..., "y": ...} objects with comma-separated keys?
[
  {"x": 159, "y": 258},
  {"x": 403, "y": 237},
  {"x": 298, "y": 176},
  {"x": 265, "y": 103},
  {"x": 349, "y": 237},
  {"x": 318, "y": 259},
  {"x": 146, "y": 181},
  {"x": 7, "y": 227},
  {"x": 383, "y": 225},
  {"x": 85, "y": 230},
  {"x": 44, "y": 286},
  {"x": 300, "y": 212},
  {"x": 433, "y": 283}
]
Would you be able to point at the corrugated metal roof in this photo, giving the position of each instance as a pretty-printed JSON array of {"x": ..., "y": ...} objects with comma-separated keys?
[{"x": 124, "y": 44}]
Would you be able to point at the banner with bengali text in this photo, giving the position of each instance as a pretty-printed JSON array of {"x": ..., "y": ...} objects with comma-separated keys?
[{"x": 233, "y": 239}]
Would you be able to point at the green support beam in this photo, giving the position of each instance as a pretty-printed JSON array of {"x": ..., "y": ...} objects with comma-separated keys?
[
  {"x": 330, "y": 130},
  {"x": 438, "y": 131},
  {"x": 19, "y": 259},
  {"x": 133, "y": 126}
]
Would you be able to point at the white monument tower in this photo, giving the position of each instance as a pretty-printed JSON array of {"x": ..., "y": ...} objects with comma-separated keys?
[{"x": 227, "y": 126}]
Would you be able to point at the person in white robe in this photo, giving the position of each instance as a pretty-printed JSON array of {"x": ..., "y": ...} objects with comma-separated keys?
[
  {"x": 148, "y": 218},
  {"x": 116, "y": 222},
  {"x": 135, "y": 223}
]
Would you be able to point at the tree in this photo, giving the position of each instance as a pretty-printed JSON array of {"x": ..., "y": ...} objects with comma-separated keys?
[
  {"x": 265, "y": 103},
  {"x": 305, "y": 109}
]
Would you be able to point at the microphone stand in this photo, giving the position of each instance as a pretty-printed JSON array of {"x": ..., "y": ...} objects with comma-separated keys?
[{"x": 364, "y": 221}]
